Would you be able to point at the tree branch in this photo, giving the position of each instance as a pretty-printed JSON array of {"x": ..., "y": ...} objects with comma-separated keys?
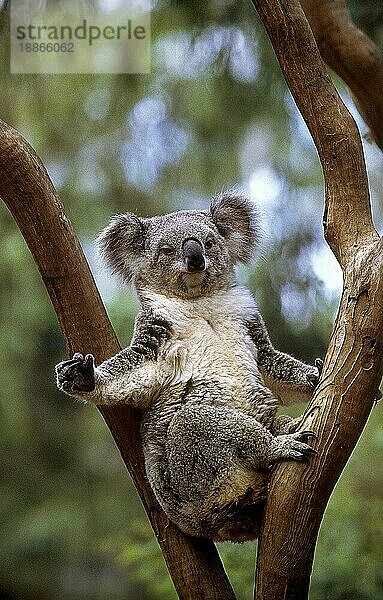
[
  {"x": 351, "y": 54},
  {"x": 353, "y": 366},
  {"x": 25, "y": 187}
]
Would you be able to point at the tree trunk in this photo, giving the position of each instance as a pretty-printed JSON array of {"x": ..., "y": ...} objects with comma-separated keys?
[
  {"x": 298, "y": 494},
  {"x": 25, "y": 187}
]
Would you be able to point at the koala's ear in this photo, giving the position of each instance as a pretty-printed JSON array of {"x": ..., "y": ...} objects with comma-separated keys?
[
  {"x": 121, "y": 245},
  {"x": 237, "y": 221}
]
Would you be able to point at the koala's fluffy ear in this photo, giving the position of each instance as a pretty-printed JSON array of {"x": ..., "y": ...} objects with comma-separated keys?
[
  {"x": 121, "y": 245},
  {"x": 237, "y": 221}
]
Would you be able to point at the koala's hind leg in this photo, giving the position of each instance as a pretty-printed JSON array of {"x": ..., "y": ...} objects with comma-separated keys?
[
  {"x": 264, "y": 410},
  {"x": 212, "y": 454},
  {"x": 264, "y": 407}
]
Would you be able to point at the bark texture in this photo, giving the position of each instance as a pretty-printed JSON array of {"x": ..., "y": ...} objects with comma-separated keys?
[
  {"x": 25, "y": 187},
  {"x": 353, "y": 365},
  {"x": 353, "y": 56}
]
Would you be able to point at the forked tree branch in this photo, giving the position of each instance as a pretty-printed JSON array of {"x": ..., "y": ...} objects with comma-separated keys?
[
  {"x": 25, "y": 187},
  {"x": 353, "y": 366},
  {"x": 353, "y": 56}
]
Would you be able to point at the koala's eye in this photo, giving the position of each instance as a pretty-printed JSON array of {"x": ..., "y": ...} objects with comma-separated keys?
[
  {"x": 209, "y": 244},
  {"x": 168, "y": 251}
]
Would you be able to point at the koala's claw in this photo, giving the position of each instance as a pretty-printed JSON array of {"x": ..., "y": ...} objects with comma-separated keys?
[
  {"x": 313, "y": 377},
  {"x": 160, "y": 329},
  {"x": 306, "y": 434},
  {"x": 293, "y": 446},
  {"x": 307, "y": 451},
  {"x": 77, "y": 374},
  {"x": 160, "y": 322},
  {"x": 157, "y": 333},
  {"x": 153, "y": 332}
]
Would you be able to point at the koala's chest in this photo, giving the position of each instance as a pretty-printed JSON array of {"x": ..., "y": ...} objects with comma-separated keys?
[
  {"x": 217, "y": 349},
  {"x": 210, "y": 343},
  {"x": 212, "y": 339}
]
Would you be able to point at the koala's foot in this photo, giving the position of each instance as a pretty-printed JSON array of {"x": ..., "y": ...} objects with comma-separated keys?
[
  {"x": 76, "y": 375},
  {"x": 293, "y": 446}
]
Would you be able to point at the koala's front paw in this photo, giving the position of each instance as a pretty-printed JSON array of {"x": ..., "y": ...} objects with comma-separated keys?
[
  {"x": 76, "y": 375},
  {"x": 158, "y": 331},
  {"x": 151, "y": 332},
  {"x": 314, "y": 375}
]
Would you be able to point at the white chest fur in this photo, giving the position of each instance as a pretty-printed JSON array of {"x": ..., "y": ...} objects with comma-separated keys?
[{"x": 210, "y": 339}]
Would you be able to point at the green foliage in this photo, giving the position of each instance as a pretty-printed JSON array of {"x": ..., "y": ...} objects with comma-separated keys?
[{"x": 214, "y": 113}]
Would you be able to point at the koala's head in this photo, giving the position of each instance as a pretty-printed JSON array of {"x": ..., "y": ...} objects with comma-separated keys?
[{"x": 186, "y": 254}]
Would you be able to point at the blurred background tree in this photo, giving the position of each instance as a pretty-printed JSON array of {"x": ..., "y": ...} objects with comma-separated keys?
[{"x": 214, "y": 112}]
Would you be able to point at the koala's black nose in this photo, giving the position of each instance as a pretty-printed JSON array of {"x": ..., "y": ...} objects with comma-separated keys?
[{"x": 194, "y": 257}]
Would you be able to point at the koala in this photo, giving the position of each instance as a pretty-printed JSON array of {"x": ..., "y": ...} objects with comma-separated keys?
[{"x": 200, "y": 367}]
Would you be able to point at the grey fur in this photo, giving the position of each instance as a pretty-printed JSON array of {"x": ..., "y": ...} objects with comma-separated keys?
[{"x": 200, "y": 367}]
